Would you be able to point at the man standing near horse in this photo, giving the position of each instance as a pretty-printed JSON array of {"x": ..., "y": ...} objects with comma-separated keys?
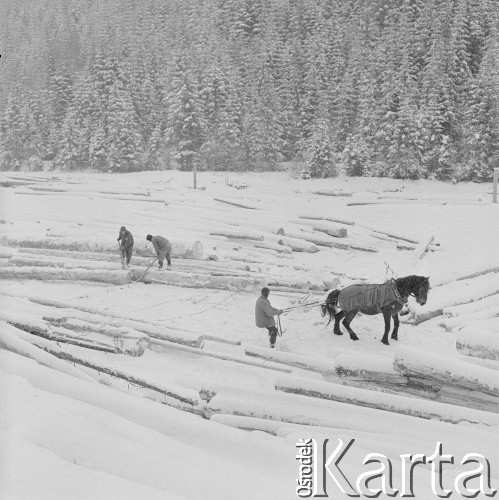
[
  {"x": 163, "y": 249},
  {"x": 264, "y": 315},
  {"x": 126, "y": 246}
]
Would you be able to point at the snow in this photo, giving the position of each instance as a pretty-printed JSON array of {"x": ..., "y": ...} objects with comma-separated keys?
[{"x": 83, "y": 439}]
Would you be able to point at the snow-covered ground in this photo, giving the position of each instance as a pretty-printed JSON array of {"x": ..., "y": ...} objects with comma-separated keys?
[{"x": 73, "y": 431}]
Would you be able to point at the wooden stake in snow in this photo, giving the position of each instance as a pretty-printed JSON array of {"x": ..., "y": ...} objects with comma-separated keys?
[{"x": 494, "y": 188}]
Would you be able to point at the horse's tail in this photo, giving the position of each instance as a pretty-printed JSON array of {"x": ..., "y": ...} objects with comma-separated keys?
[{"x": 329, "y": 305}]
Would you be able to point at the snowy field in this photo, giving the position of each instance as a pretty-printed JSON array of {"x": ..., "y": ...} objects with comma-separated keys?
[{"x": 127, "y": 384}]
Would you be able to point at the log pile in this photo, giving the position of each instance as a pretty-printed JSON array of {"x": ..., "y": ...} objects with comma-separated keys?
[{"x": 461, "y": 383}]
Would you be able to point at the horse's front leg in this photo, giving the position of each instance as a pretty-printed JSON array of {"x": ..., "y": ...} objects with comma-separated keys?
[
  {"x": 396, "y": 324},
  {"x": 386, "y": 316},
  {"x": 346, "y": 323}
]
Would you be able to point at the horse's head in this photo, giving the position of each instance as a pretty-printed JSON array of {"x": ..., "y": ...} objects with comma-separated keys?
[{"x": 420, "y": 289}]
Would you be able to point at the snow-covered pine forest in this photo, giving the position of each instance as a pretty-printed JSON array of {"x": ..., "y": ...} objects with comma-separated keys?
[{"x": 397, "y": 88}]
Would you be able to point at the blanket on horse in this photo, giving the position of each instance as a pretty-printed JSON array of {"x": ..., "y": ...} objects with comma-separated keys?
[{"x": 369, "y": 296}]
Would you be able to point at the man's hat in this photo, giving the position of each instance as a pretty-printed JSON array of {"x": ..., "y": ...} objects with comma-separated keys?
[
  {"x": 123, "y": 228},
  {"x": 265, "y": 291}
]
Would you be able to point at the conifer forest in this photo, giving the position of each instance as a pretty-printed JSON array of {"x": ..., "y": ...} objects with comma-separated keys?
[{"x": 392, "y": 88}]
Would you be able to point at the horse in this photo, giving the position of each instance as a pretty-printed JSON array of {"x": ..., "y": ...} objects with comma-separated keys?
[{"x": 387, "y": 298}]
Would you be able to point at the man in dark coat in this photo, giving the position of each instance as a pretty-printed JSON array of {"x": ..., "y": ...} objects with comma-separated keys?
[
  {"x": 126, "y": 246},
  {"x": 163, "y": 249},
  {"x": 264, "y": 315}
]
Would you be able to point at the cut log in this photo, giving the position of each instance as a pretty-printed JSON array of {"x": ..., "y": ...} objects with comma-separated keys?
[
  {"x": 378, "y": 373},
  {"x": 13, "y": 339},
  {"x": 180, "y": 249},
  {"x": 235, "y": 204},
  {"x": 310, "y": 236},
  {"x": 340, "y": 220},
  {"x": 163, "y": 345},
  {"x": 332, "y": 192},
  {"x": 239, "y": 235},
  {"x": 459, "y": 292},
  {"x": 475, "y": 342},
  {"x": 179, "y": 393},
  {"x": 323, "y": 226},
  {"x": 443, "y": 369},
  {"x": 298, "y": 245},
  {"x": 268, "y": 245},
  {"x": 319, "y": 365},
  {"x": 47, "y": 274},
  {"x": 390, "y": 234},
  {"x": 472, "y": 319},
  {"x": 472, "y": 307},
  {"x": 189, "y": 280},
  {"x": 382, "y": 401}
]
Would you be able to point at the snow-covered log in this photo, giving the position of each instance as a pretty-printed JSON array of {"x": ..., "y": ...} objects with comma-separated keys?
[
  {"x": 298, "y": 244},
  {"x": 383, "y": 401},
  {"x": 180, "y": 249},
  {"x": 491, "y": 301},
  {"x": 190, "y": 280},
  {"x": 48, "y": 273},
  {"x": 163, "y": 345},
  {"x": 269, "y": 245},
  {"x": 12, "y": 339},
  {"x": 476, "y": 342},
  {"x": 184, "y": 395},
  {"x": 332, "y": 192},
  {"x": 446, "y": 370},
  {"x": 391, "y": 234},
  {"x": 377, "y": 372},
  {"x": 473, "y": 319},
  {"x": 235, "y": 204},
  {"x": 340, "y": 220},
  {"x": 323, "y": 226},
  {"x": 315, "y": 364},
  {"x": 452, "y": 294},
  {"x": 239, "y": 235},
  {"x": 310, "y": 236}
]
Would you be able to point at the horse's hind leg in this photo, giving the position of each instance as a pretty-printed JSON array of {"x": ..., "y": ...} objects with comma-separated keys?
[
  {"x": 346, "y": 323},
  {"x": 337, "y": 318},
  {"x": 386, "y": 316},
  {"x": 395, "y": 330}
]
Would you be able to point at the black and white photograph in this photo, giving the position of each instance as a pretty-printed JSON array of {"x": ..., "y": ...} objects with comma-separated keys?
[{"x": 249, "y": 249}]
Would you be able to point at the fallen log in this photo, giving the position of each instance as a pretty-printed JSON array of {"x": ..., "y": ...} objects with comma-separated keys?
[
  {"x": 235, "y": 204},
  {"x": 473, "y": 319},
  {"x": 443, "y": 369},
  {"x": 179, "y": 393},
  {"x": 60, "y": 312},
  {"x": 319, "y": 365},
  {"x": 311, "y": 237},
  {"x": 163, "y": 345},
  {"x": 475, "y": 342},
  {"x": 329, "y": 228},
  {"x": 339, "y": 220},
  {"x": 298, "y": 245},
  {"x": 239, "y": 235},
  {"x": 13, "y": 339},
  {"x": 378, "y": 373},
  {"x": 491, "y": 301},
  {"x": 180, "y": 249},
  {"x": 47, "y": 274},
  {"x": 333, "y": 192},
  {"x": 390, "y": 234},
  {"x": 382, "y": 401},
  {"x": 459, "y": 292}
]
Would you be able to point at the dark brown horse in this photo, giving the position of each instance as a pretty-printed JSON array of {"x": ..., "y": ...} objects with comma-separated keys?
[{"x": 388, "y": 299}]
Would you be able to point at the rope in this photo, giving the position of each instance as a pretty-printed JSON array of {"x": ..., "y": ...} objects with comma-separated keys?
[{"x": 303, "y": 306}]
